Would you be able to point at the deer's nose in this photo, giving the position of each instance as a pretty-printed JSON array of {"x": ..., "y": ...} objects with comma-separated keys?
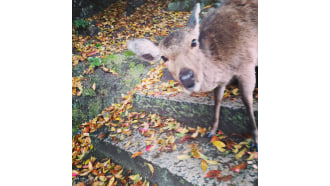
[{"x": 187, "y": 78}]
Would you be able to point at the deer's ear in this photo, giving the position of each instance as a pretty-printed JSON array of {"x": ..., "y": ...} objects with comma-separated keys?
[
  {"x": 193, "y": 21},
  {"x": 145, "y": 49}
]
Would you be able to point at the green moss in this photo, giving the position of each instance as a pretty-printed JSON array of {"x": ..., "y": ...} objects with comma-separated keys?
[
  {"x": 134, "y": 74},
  {"x": 88, "y": 92},
  {"x": 129, "y": 53},
  {"x": 114, "y": 62},
  {"x": 77, "y": 118},
  {"x": 94, "y": 108}
]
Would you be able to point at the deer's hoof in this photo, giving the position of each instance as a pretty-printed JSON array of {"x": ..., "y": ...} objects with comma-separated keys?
[
  {"x": 254, "y": 147},
  {"x": 209, "y": 134}
]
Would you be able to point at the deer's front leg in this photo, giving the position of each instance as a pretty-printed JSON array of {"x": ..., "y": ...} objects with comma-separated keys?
[{"x": 218, "y": 94}]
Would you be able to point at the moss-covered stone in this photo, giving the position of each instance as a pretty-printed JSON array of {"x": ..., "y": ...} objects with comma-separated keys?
[
  {"x": 109, "y": 86},
  {"x": 233, "y": 118}
]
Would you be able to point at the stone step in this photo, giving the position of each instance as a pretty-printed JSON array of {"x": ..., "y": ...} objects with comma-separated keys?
[
  {"x": 196, "y": 111},
  {"x": 168, "y": 169},
  {"x": 190, "y": 111}
]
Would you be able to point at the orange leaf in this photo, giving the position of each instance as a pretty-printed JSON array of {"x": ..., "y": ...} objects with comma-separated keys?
[
  {"x": 239, "y": 167},
  {"x": 214, "y": 138},
  {"x": 213, "y": 174},
  {"x": 137, "y": 154}
]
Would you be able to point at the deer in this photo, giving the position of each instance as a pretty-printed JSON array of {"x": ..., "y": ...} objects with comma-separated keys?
[{"x": 209, "y": 55}]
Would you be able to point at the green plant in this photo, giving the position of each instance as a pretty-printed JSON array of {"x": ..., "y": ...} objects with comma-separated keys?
[
  {"x": 129, "y": 53},
  {"x": 131, "y": 65},
  {"x": 81, "y": 23},
  {"x": 95, "y": 62}
]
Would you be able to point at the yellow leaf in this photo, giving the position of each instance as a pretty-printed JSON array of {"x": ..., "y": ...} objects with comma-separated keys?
[
  {"x": 219, "y": 145},
  {"x": 236, "y": 148},
  {"x": 250, "y": 157},
  {"x": 90, "y": 166},
  {"x": 212, "y": 162},
  {"x": 183, "y": 157},
  {"x": 151, "y": 169},
  {"x": 240, "y": 154},
  {"x": 133, "y": 177},
  {"x": 127, "y": 144},
  {"x": 204, "y": 165},
  {"x": 118, "y": 175},
  {"x": 235, "y": 91},
  {"x": 111, "y": 181},
  {"x": 194, "y": 135},
  {"x": 103, "y": 178},
  {"x": 171, "y": 139}
]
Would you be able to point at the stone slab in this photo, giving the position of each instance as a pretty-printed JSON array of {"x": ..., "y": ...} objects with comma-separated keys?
[
  {"x": 197, "y": 111},
  {"x": 168, "y": 170}
]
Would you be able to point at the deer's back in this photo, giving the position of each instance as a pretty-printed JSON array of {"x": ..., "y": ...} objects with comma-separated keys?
[{"x": 229, "y": 34}]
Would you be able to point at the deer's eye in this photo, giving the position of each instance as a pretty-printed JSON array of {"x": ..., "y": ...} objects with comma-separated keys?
[
  {"x": 164, "y": 58},
  {"x": 193, "y": 43}
]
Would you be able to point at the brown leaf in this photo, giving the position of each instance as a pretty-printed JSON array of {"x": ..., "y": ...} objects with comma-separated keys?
[
  {"x": 97, "y": 183},
  {"x": 185, "y": 138},
  {"x": 80, "y": 184},
  {"x": 239, "y": 167},
  {"x": 226, "y": 178},
  {"x": 213, "y": 174}
]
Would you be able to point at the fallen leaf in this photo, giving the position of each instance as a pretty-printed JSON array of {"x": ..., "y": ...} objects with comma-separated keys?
[
  {"x": 240, "y": 154},
  {"x": 137, "y": 154},
  {"x": 226, "y": 178},
  {"x": 149, "y": 147},
  {"x": 151, "y": 169},
  {"x": 111, "y": 181},
  {"x": 202, "y": 156},
  {"x": 214, "y": 138},
  {"x": 212, "y": 162},
  {"x": 204, "y": 165},
  {"x": 80, "y": 184},
  {"x": 90, "y": 166},
  {"x": 75, "y": 173},
  {"x": 239, "y": 167},
  {"x": 213, "y": 174},
  {"x": 93, "y": 86},
  {"x": 183, "y": 157},
  {"x": 185, "y": 138},
  {"x": 194, "y": 135},
  {"x": 219, "y": 145}
]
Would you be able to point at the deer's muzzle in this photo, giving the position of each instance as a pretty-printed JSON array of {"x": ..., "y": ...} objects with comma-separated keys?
[{"x": 187, "y": 78}]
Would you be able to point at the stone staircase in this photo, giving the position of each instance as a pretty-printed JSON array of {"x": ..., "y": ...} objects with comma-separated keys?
[{"x": 168, "y": 169}]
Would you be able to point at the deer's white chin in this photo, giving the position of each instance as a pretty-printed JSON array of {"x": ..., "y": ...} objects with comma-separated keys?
[{"x": 195, "y": 88}]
